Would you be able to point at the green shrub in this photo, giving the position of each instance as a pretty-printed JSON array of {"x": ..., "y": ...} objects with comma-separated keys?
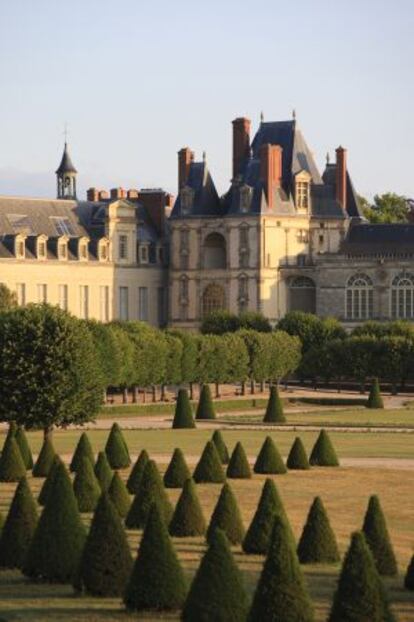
[
  {"x": 274, "y": 409},
  {"x": 239, "y": 467},
  {"x": 209, "y": 467},
  {"x": 119, "y": 496},
  {"x": 409, "y": 575},
  {"x": 205, "y": 408},
  {"x": 45, "y": 459},
  {"x": 217, "y": 591},
  {"x": 331, "y": 401},
  {"x": 48, "y": 483},
  {"x": 157, "y": 581},
  {"x": 19, "y": 527},
  {"x": 12, "y": 467},
  {"x": 103, "y": 471},
  {"x": 116, "y": 449},
  {"x": 378, "y": 539},
  {"x": 269, "y": 461},
  {"x": 83, "y": 450},
  {"x": 86, "y": 487},
  {"x": 150, "y": 491},
  {"x": 137, "y": 470},
  {"x": 183, "y": 416},
  {"x": 221, "y": 446},
  {"x": 21, "y": 440},
  {"x": 11, "y": 430},
  {"x": 323, "y": 452},
  {"x": 297, "y": 458},
  {"x": 177, "y": 471},
  {"x": 375, "y": 399},
  {"x": 317, "y": 544},
  {"x": 188, "y": 520},
  {"x": 226, "y": 516}
]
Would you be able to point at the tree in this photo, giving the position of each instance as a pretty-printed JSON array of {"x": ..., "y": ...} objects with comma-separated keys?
[
  {"x": 205, "y": 408},
  {"x": 172, "y": 369},
  {"x": 189, "y": 355},
  {"x": 116, "y": 449},
  {"x": 157, "y": 581},
  {"x": 323, "y": 452},
  {"x": 217, "y": 591},
  {"x": 269, "y": 460},
  {"x": 317, "y": 544},
  {"x": 24, "y": 447},
  {"x": 209, "y": 467},
  {"x": 387, "y": 208},
  {"x": 12, "y": 467},
  {"x": 103, "y": 471},
  {"x": 18, "y": 530},
  {"x": 58, "y": 541},
  {"x": 284, "y": 355},
  {"x": 219, "y": 323},
  {"x": 239, "y": 467},
  {"x": 221, "y": 446},
  {"x": 106, "y": 561},
  {"x": 151, "y": 491},
  {"x": 177, "y": 471},
  {"x": 378, "y": 539},
  {"x": 375, "y": 399},
  {"x": 48, "y": 483},
  {"x": 49, "y": 373},
  {"x": 85, "y": 486},
  {"x": 274, "y": 409},
  {"x": 226, "y": 516},
  {"x": 45, "y": 458},
  {"x": 360, "y": 594},
  {"x": 119, "y": 496},
  {"x": 254, "y": 320},
  {"x": 409, "y": 575},
  {"x": 83, "y": 450},
  {"x": 188, "y": 520},
  {"x": 258, "y": 353},
  {"x": 135, "y": 476},
  {"x": 8, "y": 299},
  {"x": 108, "y": 350},
  {"x": 281, "y": 592},
  {"x": 183, "y": 417},
  {"x": 297, "y": 458}
]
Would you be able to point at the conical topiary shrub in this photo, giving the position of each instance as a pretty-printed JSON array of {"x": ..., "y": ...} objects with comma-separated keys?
[
  {"x": 177, "y": 471},
  {"x": 281, "y": 592},
  {"x": 269, "y": 461},
  {"x": 106, "y": 561},
  {"x": 83, "y": 450},
  {"x": 12, "y": 467},
  {"x": 209, "y": 467},
  {"x": 239, "y": 467},
  {"x": 374, "y": 398},
  {"x": 45, "y": 459},
  {"x": 21, "y": 440},
  {"x": 48, "y": 483},
  {"x": 297, "y": 458},
  {"x": 217, "y": 591},
  {"x": 119, "y": 496},
  {"x": 378, "y": 539},
  {"x": 183, "y": 416},
  {"x": 103, "y": 471},
  {"x": 58, "y": 541},
  {"x": 116, "y": 449},
  {"x": 360, "y": 594},
  {"x": 86, "y": 487},
  {"x": 19, "y": 527},
  {"x": 323, "y": 452},
  {"x": 317, "y": 544},
  {"x": 226, "y": 516},
  {"x": 157, "y": 581},
  {"x": 221, "y": 446},
  {"x": 259, "y": 533},
  {"x": 12, "y": 429},
  {"x": 205, "y": 408},
  {"x": 409, "y": 575},
  {"x": 274, "y": 409},
  {"x": 188, "y": 520},
  {"x": 150, "y": 491},
  {"x": 137, "y": 470}
]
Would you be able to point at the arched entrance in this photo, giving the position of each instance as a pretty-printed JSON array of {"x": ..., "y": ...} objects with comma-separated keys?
[
  {"x": 215, "y": 253},
  {"x": 302, "y": 294},
  {"x": 213, "y": 299}
]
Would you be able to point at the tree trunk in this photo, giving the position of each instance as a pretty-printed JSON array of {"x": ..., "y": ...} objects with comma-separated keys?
[
  {"x": 144, "y": 396},
  {"x": 243, "y": 388},
  {"x": 125, "y": 395},
  {"x": 261, "y": 386},
  {"x": 162, "y": 399},
  {"x": 217, "y": 390},
  {"x": 154, "y": 393},
  {"x": 135, "y": 394},
  {"x": 252, "y": 387},
  {"x": 48, "y": 433},
  {"x": 191, "y": 385}
]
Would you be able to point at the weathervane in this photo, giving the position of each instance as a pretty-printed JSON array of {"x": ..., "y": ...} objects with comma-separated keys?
[{"x": 65, "y": 132}]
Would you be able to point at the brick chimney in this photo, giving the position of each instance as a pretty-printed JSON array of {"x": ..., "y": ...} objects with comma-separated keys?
[
  {"x": 341, "y": 176},
  {"x": 103, "y": 195},
  {"x": 271, "y": 170},
  {"x": 117, "y": 193},
  {"x": 92, "y": 194},
  {"x": 185, "y": 157},
  {"x": 132, "y": 193},
  {"x": 155, "y": 202},
  {"x": 241, "y": 143}
]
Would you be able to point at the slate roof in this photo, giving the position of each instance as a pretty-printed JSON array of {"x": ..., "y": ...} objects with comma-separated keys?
[
  {"x": 206, "y": 201},
  {"x": 66, "y": 164}
]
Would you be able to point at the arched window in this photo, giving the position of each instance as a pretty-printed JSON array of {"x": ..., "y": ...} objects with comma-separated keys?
[
  {"x": 214, "y": 252},
  {"x": 359, "y": 297},
  {"x": 302, "y": 294},
  {"x": 402, "y": 296},
  {"x": 213, "y": 299}
]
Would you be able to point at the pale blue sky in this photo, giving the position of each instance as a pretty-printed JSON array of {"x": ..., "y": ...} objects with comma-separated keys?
[{"x": 137, "y": 80}]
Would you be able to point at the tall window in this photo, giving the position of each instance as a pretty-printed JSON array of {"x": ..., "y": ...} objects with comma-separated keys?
[
  {"x": 244, "y": 247},
  {"x": 123, "y": 304},
  {"x": 41, "y": 292},
  {"x": 213, "y": 299},
  {"x": 21, "y": 293},
  {"x": 84, "y": 301},
  {"x": 143, "y": 304},
  {"x": 359, "y": 297},
  {"x": 63, "y": 297},
  {"x": 123, "y": 247},
  {"x": 184, "y": 287},
  {"x": 402, "y": 296},
  {"x": 104, "y": 303},
  {"x": 302, "y": 194},
  {"x": 143, "y": 254}
]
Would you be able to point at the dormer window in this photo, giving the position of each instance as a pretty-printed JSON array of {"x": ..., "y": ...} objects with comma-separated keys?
[
  {"x": 143, "y": 254},
  {"x": 103, "y": 250},
  {"x": 41, "y": 248},
  {"x": 245, "y": 198},
  {"x": 187, "y": 199},
  {"x": 83, "y": 249},
  {"x": 302, "y": 191},
  {"x": 20, "y": 247},
  {"x": 62, "y": 249}
]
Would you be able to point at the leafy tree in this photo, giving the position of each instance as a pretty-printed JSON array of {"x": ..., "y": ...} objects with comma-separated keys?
[
  {"x": 48, "y": 483},
  {"x": 137, "y": 470},
  {"x": 221, "y": 446},
  {"x": 8, "y": 299},
  {"x": 83, "y": 450},
  {"x": 297, "y": 458},
  {"x": 45, "y": 458},
  {"x": 317, "y": 544},
  {"x": 12, "y": 467},
  {"x": 108, "y": 350},
  {"x": 188, "y": 520},
  {"x": 21, "y": 440},
  {"x": 378, "y": 539},
  {"x": 259, "y": 353},
  {"x": 103, "y": 471},
  {"x": 274, "y": 409},
  {"x": 323, "y": 452},
  {"x": 116, "y": 449},
  {"x": 172, "y": 369},
  {"x": 12, "y": 429},
  {"x": 219, "y": 323},
  {"x": 205, "y": 408},
  {"x": 254, "y": 320},
  {"x": 239, "y": 467},
  {"x": 209, "y": 467},
  {"x": 360, "y": 357},
  {"x": 284, "y": 356},
  {"x": 151, "y": 491},
  {"x": 85, "y": 486},
  {"x": 217, "y": 591},
  {"x": 177, "y": 471},
  {"x": 235, "y": 364},
  {"x": 226, "y": 516},
  {"x": 18, "y": 530},
  {"x": 125, "y": 345},
  {"x": 269, "y": 460},
  {"x": 409, "y": 575},
  {"x": 189, "y": 355},
  {"x": 387, "y": 208},
  {"x": 396, "y": 359},
  {"x": 150, "y": 354},
  {"x": 119, "y": 496},
  {"x": 183, "y": 417},
  {"x": 222, "y": 359}
]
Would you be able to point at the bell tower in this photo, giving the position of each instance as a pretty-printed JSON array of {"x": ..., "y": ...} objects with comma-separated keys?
[{"x": 66, "y": 177}]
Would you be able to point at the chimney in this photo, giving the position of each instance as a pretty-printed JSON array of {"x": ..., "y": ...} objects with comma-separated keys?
[
  {"x": 241, "y": 143},
  {"x": 185, "y": 157},
  {"x": 341, "y": 176},
  {"x": 155, "y": 203},
  {"x": 118, "y": 193},
  {"x": 132, "y": 193},
  {"x": 103, "y": 195},
  {"x": 271, "y": 170},
  {"x": 92, "y": 194}
]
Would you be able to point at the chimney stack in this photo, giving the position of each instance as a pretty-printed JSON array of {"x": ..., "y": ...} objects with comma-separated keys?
[
  {"x": 341, "y": 176},
  {"x": 185, "y": 157},
  {"x": 103, "y": 195},
  {"x": 92, "y": 194},
  {"x": 271, "y": 170},
  {"x": 117, "y": 193},
  {"x": 241, "y": 143}
]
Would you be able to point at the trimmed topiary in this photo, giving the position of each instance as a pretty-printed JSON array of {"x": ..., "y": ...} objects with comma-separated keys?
[
  {"x": 58, "y": 541},
  {"x": 409, "y": 575},
  {"x": 48, "y": 483},
  {"x": 217, "y": 591},
  {"x": 209, "y": 467},
  {"x": 205, "y": 407},
  {"x": 150, "y": 491},
  {"x": 86, "y": 487},
  {"x": 106, "y": 562},
  {"x": 116, "y": 449},
  {"x": 226, "y": 516},
  {"x": 378, "y": 539},
  {"x": 11, "y": 430},
  {"x": 317, "y": 544},
  {"x": 12, "y": 467},
  {"x": 239, "y": 467},
  {"x": 297, "y": 458},
  {"x": 157, "y": 581},
  {"x": 221, "y": 446},
  {"x": 323, "y": 452},
  {"x": 119, "y": 496},
  {"x": 83, "y": 450},
  {"x": 281, "y": 592},
  {"x": 103, "y": 471},
  {"x": 375, "y": 399},
  {"x": 19, "y": 527},
  {"x": 183, "y": 416},
  {"x": 135, "y": 476},
  {"x": 45, "y": 459},
  {"x": 360, "y": 594},
  {"x": 177, "y": 471},
  {"x": 21, "y": 440},
  {"x": 188, "y": 519},
  {"x": 274, "y": 409},
  {"x": 269, "y": 461}
]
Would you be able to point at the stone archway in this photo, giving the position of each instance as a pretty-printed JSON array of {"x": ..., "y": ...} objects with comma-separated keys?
[{"x": 302, "y": 294}]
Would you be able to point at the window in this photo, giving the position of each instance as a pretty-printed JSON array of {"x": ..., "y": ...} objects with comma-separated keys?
[
  {"x": 321, "y": 239},
  {"x": 243, "y": 237},
  {"x": 183, "y": 261},
  {"x": 359, "y": 297},
  {"x": 302, "y": 294},
  {"x": 143, "y": 304},
  {"x": 63, "y": 297},
  {"x": 20, "y": 248},
  {"x": 41, "y": 250},
  {"x": 215, "y": 252},
  {"x": 322, "y": 225},
  {"x": 104, "y": 303},
  {"x": 302, "y": 236},
  {"x": 123, "y": 247},
  {"x": 302, "y": 194},
  {"x": 160, "y": 255},
  {"x": 184, "y": 287},
  {"x": 21, "y": 293},
  {"x": 186, "y": 198},
  {"x": 83, "y": 250},
  {"x": 243, "y": 292},
  {"x": 161, "y": 306},
  {"x": 184, "y": 239},
  {"x": 123, "y": 304},
  {"x": 402, "y": 297},
  {"x": 84, "y": 302},
  {"x": 213, "y": 299},
  {"x": 246, "y": 193},
  {"x": 301, "y": 260},
  {"x": 103, "y": 251},
  {"x": 183, "y": 312},
  {"x": 143, "y": 254},
  {"x": 41, "y": 292},
  {"x": 62, "y": 250},
  {"x": 63, "y": 226}
]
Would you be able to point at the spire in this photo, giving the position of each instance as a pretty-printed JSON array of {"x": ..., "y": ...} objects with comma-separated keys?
[
  {"x": 66, "y": 164},
  {"x": 66, "y": 176}
]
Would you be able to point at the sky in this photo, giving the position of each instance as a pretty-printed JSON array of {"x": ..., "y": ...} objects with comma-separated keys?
[{"x": 136, "y": 80}]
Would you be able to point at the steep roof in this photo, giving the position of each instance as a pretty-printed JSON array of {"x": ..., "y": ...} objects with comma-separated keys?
[
  {"x": 206, "y": 201},
  {"x": 66, "y": 164}
]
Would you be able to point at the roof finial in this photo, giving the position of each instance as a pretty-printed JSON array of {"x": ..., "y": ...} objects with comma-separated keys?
[
  {"x": 294, "y": 114},
  {"x": 65, "y": 132},
  {"x": 204, "y": 156},
  {"x": 261, "y": 117},
  {"x": 327, "y": 157}
]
